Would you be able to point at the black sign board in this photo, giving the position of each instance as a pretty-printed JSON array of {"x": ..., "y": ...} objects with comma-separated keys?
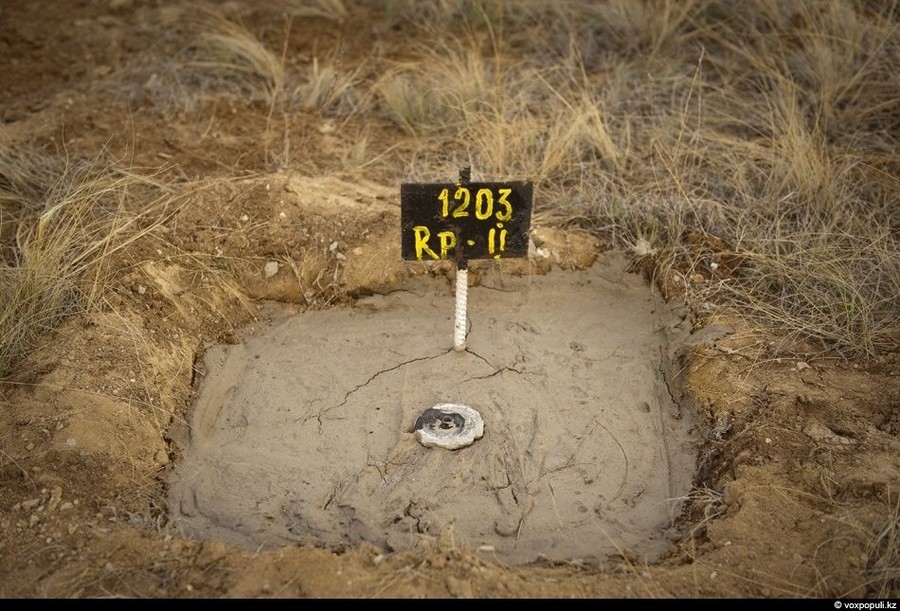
[{"x": 465, "y": 220}]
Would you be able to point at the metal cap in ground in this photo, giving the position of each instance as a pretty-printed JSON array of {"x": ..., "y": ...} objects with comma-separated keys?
[{"x": 449, "y": 425}]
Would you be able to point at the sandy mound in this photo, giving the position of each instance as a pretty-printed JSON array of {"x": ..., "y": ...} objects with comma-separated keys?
[{"x": 303, "y": 431}]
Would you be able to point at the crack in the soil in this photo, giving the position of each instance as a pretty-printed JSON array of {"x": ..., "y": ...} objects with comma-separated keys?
[
  {"x": 318, "y": 416},
  {"x": 497, "y": 371}
]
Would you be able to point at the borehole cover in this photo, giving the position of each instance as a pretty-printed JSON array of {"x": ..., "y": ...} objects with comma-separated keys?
[
  {"x": 449, "y": 425},
  {"x": 305, "y": 431}
]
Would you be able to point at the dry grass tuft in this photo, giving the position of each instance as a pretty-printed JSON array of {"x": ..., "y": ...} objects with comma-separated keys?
[
  {"x": 324, "y": 88},
  {"x": 226, "y": 57},
  {"x": 67, "y": 222},
  {"x": 221, "y": 59},
  {"x": 884, "y": 555}
]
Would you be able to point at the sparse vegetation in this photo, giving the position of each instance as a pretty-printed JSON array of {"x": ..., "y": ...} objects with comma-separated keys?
[
  {"x": 884, "y": 553},
  {"x": 764, "y": 128},
  {"x": 746, "y": 155},
  {"x": 63, "y": 221}
]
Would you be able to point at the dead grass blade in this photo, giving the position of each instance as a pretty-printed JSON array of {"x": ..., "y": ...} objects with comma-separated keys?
[{"x": 884, "y": 554}]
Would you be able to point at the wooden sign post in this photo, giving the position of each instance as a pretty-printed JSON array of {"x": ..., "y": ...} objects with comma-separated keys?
[{"x": 464, "y": 221}]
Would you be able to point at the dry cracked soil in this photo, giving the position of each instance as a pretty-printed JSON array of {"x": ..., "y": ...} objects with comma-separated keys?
[{"x": 795, "y": 459}]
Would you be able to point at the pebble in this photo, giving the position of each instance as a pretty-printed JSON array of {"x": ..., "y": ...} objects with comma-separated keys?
[
  {"x": 30, "y": 504},
  {"x": 161, "y": 457},
  {"x": 270, "y": 269},
  {"x": 55, "y": 498}
]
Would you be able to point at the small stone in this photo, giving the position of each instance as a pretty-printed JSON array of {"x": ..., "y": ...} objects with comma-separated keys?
[
  {"x": 55, "y": 498},
  {"x": 270, "y": 269},
  {"x": 30, "y": 504},
  {"x": 161, "y": 457},
  {"x": 212, "y": 550},
  {"x": 709, "y": 335},
  {"x": 820, "y": 433}
]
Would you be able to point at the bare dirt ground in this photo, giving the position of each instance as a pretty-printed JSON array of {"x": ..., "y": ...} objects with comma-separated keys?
[{"x": 799, "y": 458}]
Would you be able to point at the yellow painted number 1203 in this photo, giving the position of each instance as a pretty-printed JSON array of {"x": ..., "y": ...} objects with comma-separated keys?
[{"x": 484, "y": 203}]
